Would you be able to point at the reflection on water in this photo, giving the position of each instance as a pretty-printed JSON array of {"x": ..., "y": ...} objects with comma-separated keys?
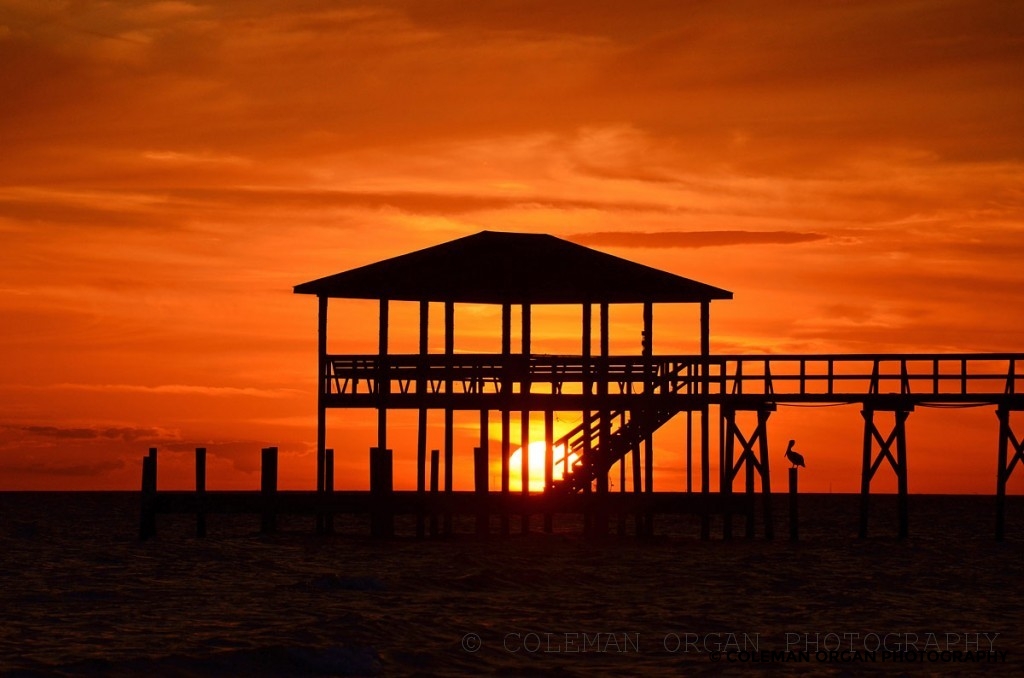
[{"x": 80, "y": 594}]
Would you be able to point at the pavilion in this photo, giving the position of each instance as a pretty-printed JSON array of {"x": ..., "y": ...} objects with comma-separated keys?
[{"x": 525, "y": 270}]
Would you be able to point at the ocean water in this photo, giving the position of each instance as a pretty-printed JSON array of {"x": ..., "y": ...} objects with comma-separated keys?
[{"x": 80, "y": 595}]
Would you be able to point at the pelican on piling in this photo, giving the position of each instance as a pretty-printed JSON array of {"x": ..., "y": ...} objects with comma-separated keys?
[{"x": 793, "y": 456}]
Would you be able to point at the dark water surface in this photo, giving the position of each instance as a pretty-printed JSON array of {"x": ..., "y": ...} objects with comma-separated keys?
[{"x": 80, "y": 595}]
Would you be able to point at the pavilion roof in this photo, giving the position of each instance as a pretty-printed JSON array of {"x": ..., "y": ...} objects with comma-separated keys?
[{"x": 493, "y": 267}]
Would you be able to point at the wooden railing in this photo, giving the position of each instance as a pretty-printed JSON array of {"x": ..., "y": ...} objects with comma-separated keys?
[{"x": 950, "y": 376}]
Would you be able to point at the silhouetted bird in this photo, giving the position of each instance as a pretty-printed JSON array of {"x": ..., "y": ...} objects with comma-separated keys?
[{"x": 793, "y": 456}]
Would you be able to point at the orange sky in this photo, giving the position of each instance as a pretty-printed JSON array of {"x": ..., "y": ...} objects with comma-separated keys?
[{"x": 168, "y": 170}]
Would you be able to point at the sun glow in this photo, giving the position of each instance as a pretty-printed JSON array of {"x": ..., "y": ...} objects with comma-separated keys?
[{"x": 536, "y": 460}]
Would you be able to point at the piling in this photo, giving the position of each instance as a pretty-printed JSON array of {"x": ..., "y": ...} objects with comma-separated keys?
[
  {"x": 268, "y": 490},
  {"x": 794, "y": 515},
  {"x": 147, "y": 521},
  {"x": 200, "y": 491},
  {"x": 421, "y": 490},
  {"x": 382, "y": 523},
  {"x": 329, "y": 489},
  {"x": 435, "y": 460},
  {"x": 480, "y": 487}
]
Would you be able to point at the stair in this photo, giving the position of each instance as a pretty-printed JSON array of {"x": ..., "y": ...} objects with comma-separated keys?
[{"x": 584, "y": 469}]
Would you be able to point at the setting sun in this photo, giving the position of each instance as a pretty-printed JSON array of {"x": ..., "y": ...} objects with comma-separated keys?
[{"x": 536, "y": 461}]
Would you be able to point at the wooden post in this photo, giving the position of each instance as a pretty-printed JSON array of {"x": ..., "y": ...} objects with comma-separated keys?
[
  {"x": 622, "y": 481},
  {"x": 485, "y": 460},
  {"x": 705, "y": 328},
  {"x": 871, "y": 462},
  {"x": 480, "y": 472},
  {"x": 524, "y": 419},
  {"x": 794, "y": 516},
  {"x": 727, "y": 473},
  {"x": 865, "y": 474},
  {"x": 524, "y": 448},
  {"x": 383, "y": 378},
  {"x": 749, "y": 491},
  {"x": 322, "y": 390},
  {"x": 705, "y": 414},
  {"x": 689, "y": 451},
  {"x": 200, "y": 491},
  {"x": 147, "y": 520},
  {"x": 449, "y": 413},
  {"x": 448, "y": 458},
  {"x": 421, "y": 424},
  {"x": 268, "y": 489},
  {"x": 638, "y": 519},
  {"x": 435, "y": 462},
  {"x": 649, "y": 390},
  {"x": 705, "y": 467},
  {"x": 421, "y": 490},
  {"x": 381, "y": 488},
  {"x": 506, "y": 425},
  {"x": 506, "y": 452},
  {"x": 329, "y": 489},
  {"x": 549, "y": 463},
  {"x": 1001, "y": 476},
  {"x": 588, "y": 386},
  {"x": 901, "y": 473},
  {"x": 604, "y": 426},
  {"x": 766, "y": 477}
]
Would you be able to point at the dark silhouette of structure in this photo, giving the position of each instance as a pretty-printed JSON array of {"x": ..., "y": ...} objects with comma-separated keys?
[
  {"x": 621, "y": 400},
  {"x": 793, "y": 456},
  {"x": 617, "y": 396}
]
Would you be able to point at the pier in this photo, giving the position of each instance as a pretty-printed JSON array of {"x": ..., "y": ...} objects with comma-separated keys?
[{"x": 621, "y": 400}]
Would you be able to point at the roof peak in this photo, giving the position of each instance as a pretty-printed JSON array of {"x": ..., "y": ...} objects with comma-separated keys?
[{"x": 512, "y": 267}]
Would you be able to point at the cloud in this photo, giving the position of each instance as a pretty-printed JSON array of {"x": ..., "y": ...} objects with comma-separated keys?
[
  {"x": 125, "y": 433},
  {"x": 182, "y": 389},
  {"x": 666, "y": 239},
  {"x": 49, "y": 468}
]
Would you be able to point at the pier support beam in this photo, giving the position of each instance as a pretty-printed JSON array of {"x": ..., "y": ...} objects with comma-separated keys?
[
  {"x": 604, "y": 425},
  {"x": 329, "y": 489},
  {"x": 648, "y": 352},
  {"x": 705, "y": 415},
  {"x": 382, "y": 521},
  {"x": 1007, "y": 463},
  {"x": 794, "y": 506},
  {"x": 200, "y": 491},
  {"x": 483, "y": 517},
  {"x": 751, "y": 462},
  {"x": 549, "y": 462},
  {"x": 524, "y": 419},
  {"x": 322, "y": 388},
  {"x": 268, "y": 489},
  {"x": 147, "y": 521},
  {"x": 449, "y": 413},
  {"x": 871, "y": 462},
  {"x": 435, "y": 468},
  {"x": 383, "y": 377},
  {"x": 421, "y": 420},
  {"x": 506, "y": 424},
  {"x": 588, "y": 388}
]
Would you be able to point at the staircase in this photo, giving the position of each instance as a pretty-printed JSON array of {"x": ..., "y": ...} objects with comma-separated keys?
[{"x": 585, "y": 468}]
